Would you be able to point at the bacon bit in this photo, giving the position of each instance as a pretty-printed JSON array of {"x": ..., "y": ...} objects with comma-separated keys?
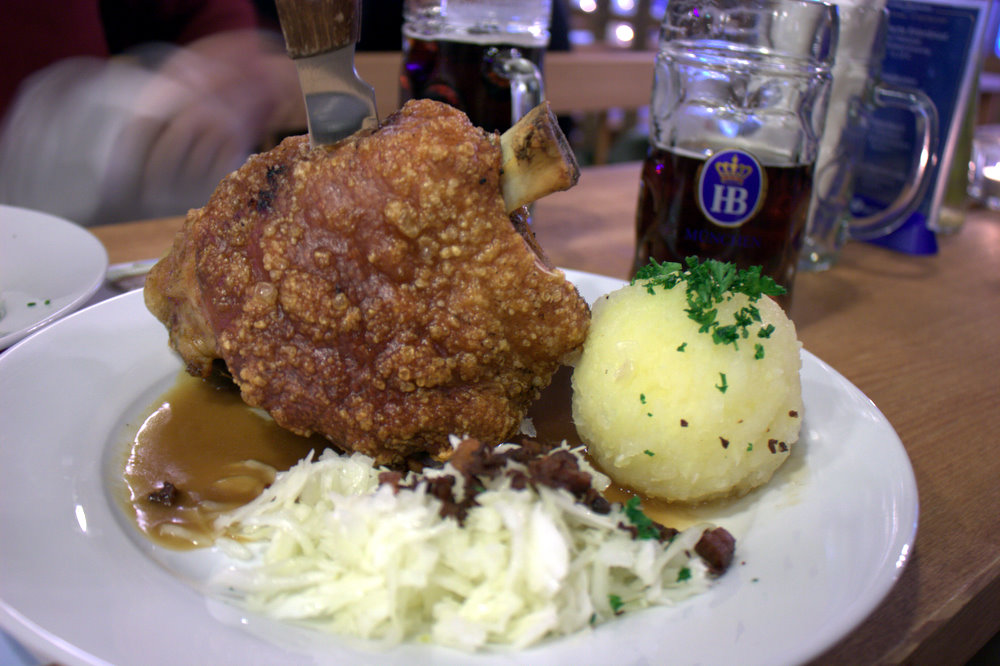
[
  {"x": 598, "y": 504},
  {"x": 716, "y": 548},
  {"x": 472, "y": 458},
  {"x": 771, "y": 445},
  {"x": 518, "y": 480},
  {"x": 477, "y": 462},
  {"x": 166, "y": 495},
  {"x": 684, "y": 423},
  {"x": 560, "y": 470},
  {"x": 794, "y": 414},
  {"x": 782, "y": 446},
  {"x": 391, "y": 478},
  {"x": 725, "y": 442}
]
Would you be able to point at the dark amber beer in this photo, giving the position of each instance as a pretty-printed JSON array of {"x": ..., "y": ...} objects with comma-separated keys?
[
  {"x": 483, "y": 57},
  {"x": 463, "y": 74},
  {"x": 739, "y": 102},
  {"x": 672, "y": 223}
]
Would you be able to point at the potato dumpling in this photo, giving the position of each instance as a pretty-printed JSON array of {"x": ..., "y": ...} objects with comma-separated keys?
[{"x": 686, "y": 410}]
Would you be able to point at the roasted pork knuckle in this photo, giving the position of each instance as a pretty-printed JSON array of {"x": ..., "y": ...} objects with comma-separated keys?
[{"x": 374, "y": 291}]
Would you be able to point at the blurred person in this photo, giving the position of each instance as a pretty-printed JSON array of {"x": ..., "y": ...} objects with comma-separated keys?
[{"x": 115, "y": 110}]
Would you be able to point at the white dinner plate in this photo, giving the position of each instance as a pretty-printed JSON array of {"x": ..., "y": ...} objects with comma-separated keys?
[
  {"x": 817, "y": 548},
  {"x": 48, "y": 268}
]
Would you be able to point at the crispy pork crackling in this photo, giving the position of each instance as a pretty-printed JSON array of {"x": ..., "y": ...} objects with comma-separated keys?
[{"x": 376, "y": 291}]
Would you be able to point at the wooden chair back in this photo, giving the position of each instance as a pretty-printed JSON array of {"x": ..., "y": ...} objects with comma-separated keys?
[
  {"x": 585, "y": 85},
  {"x": 584, "y": 81}
]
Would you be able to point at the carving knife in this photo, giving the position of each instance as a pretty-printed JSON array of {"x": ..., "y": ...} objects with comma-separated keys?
[{"x": 320, "y": 36}]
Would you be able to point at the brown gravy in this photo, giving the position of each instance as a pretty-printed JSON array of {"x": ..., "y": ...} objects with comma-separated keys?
[
  {"x": 219, "y": 454},
  {"x": 214, "y": 450}
]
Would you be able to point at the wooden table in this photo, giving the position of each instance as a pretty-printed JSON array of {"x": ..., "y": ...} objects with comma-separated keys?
[{"x": 920, "y": 336}]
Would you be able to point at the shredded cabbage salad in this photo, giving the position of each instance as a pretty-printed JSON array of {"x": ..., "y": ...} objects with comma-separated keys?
[{"x": 327, "y": 546}]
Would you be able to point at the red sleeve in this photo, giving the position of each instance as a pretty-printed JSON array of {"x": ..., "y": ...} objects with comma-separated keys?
[
  {"x": 36, "y": 36},
  {"x": 129, "y": 23},
  {"x": 212, "y": 16}
]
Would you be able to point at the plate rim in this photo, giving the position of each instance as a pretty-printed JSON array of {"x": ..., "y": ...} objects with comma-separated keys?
[
  {"x": 37, "y": 638},
  {"x": 25, "y": 216}
]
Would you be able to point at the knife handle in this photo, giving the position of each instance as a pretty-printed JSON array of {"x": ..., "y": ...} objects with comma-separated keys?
[{"x": 313, "y": 27}]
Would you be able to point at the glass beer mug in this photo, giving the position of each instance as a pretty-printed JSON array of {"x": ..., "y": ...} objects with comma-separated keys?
[
  {"x": 739, "y": 100},
  {"x": 858, "y": 90},
  {"x": 481, "y": 56}
]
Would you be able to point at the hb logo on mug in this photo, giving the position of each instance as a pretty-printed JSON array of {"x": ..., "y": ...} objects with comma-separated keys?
[{"x": 731, "y": 188}]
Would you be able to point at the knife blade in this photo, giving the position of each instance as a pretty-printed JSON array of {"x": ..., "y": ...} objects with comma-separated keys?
[{"x": 320, "y": 36}]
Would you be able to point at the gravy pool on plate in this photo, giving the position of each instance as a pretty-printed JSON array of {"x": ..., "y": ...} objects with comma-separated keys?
[
  {"x": 215, "y": 452},
  {"x": 218, "y": 454}
]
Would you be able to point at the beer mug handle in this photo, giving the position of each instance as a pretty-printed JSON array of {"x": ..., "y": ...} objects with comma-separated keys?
[
  {"x": 891, "y": 218},
  {"x": 526, "y": 88}
]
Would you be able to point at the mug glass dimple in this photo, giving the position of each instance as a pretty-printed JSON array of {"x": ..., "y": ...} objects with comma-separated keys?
[
  {"x": 481, "y": 56},
  {"x": 857, "y": 92},
  {"x": 739, "y": 100}
]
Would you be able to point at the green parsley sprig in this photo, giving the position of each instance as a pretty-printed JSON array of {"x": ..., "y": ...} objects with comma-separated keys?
[
  {"x": 709, "y": 283},
  {"x": 644, "y": 525}
]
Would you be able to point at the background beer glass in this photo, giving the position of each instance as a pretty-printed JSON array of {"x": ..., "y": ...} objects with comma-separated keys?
[
  {"x": 739, "y": 99},
  {"x": 857, "y": 91},
  {"x": 481, "y": 56}
]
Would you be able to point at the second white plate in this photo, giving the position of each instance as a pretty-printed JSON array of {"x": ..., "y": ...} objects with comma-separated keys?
[{"x": 48, "y": 268}]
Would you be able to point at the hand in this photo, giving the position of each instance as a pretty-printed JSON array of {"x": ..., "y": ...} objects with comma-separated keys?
[
  {"x": 105, "y": 141},
  {"x": 226, "y": 93}
]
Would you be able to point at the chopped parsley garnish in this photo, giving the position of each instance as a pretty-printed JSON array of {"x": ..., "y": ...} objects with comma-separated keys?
[
  {"x": 709, "y": 283},
  {"x": 683, "y": 575},
  {"x": 649, "y": 453},
  {"x": 615, "y": 602},
  {"x": 682, "y": 347},
  {"x": 750, "y": 446},
  {"x": 758, "y": 351},
  {"x": 645, "y": 527},
  {"x": 32, "y": 304},
  {"x": 723, "y": 385},
  {"x": 642, "y": 398}
]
